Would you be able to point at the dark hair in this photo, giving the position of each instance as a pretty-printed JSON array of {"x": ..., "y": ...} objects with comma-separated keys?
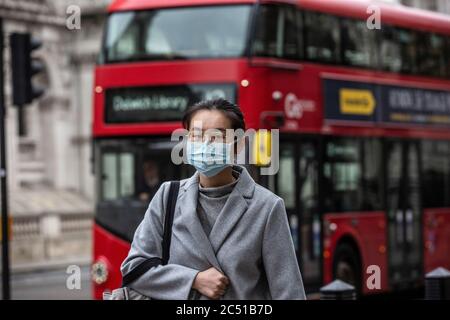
[{"x": 231, "y": 110}]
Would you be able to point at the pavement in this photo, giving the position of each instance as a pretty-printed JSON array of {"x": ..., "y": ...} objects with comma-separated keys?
[{"x": 50, "y": 282}]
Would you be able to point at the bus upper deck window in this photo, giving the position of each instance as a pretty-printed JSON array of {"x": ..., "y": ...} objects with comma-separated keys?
[
  {"x": 121, "y": 36},
  {"x": 278, "y": 32},
  {"x": 447, "y": 55},
  {"x": 390, "y": 50},
  {"x": 322, "y": 37},
  {"x": 398, "y": 50},
  {"x": 431, "y": 60},
  {"x": 177, "y": 33},
  {"x": 358, "y": 44}
]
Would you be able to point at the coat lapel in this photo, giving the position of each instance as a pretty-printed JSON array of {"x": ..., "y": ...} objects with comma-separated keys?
[
  {"x": 188, "y": 207},
  {"x": 228, "y": 217},
  {"x": 233, "y": 209}
]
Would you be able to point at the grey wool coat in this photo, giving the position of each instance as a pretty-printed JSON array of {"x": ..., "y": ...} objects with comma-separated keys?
[{"x": 250, "y": 243}]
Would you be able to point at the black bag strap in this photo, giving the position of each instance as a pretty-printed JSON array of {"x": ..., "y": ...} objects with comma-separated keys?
[
  {"x": 168, "y": 221},
  {"x": 147, "y": 264}
]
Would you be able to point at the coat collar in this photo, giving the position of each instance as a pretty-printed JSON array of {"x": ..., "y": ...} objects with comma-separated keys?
[
  {"x": 234, "y": 208},
  {"x": 246, "y": 184}
]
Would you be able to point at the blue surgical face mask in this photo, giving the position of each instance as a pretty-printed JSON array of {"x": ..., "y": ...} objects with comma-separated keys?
[{"x": 209, "y": 158}]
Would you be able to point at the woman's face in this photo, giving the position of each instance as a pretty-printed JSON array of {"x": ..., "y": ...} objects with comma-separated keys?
[{"x": 210, "y": 125}]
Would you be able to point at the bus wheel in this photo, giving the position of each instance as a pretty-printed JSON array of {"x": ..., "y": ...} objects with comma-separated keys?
[{"x": 347, "y": 266}]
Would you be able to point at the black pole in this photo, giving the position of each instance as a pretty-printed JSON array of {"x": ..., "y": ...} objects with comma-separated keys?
[
  {"x": 21, "y": 121},
  {"x": 4, "y": 190}
]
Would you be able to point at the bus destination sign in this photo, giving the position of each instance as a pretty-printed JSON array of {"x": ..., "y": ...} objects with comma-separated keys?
[{"x": 163, "y": 103}]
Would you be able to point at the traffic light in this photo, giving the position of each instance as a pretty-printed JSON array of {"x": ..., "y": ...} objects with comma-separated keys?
[{"x": 24, "y": 67}]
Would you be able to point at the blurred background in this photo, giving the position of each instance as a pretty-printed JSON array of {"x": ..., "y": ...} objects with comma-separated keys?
[
  {"x": 51, "y": 184},
  {"x": 52, "y": 187}
]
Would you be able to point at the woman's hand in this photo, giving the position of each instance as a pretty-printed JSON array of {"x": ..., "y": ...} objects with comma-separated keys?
[{"x": 211, "y": 283}]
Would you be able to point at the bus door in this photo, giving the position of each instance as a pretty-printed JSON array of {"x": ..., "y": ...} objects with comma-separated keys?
[
  {"x": 404, "y": 212},
  {"x": 297, "y": 183}
]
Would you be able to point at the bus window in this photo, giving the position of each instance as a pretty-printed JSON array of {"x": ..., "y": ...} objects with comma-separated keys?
[
  {"x": 286, "y": 176},
  {"x": 342, "y": 172},
  {"x": 309, "y": 211},
  {"x": 292, "y": 33},
  {"x": 431, "y": 55},
  {"x": 372, "y": 183},
  {"x": 359, "y": 44},
  {"x": 447, "y": 55},
  {"x": 174, "y": 33},
  {"x": 301, "y": 30},
  {"x": 266, "y": 42},
  {"x": 398, "y": 50},
  {"x": 131, "y": 173},
  {"x": 436, "y": 173},
  {"x": 352, "y": 175},
  {"x": 271, "y": 183},
  {"x": 322, "y": 37},
  {"x": 126, "y": 165},
  {"x": 136, "y": 172},
  {"x": 278, "y": 32},
  {"x": 156, "y": 168},
  {"x": 408, "y": 50},
  {"x": 109, "y": 176},
  {"x": 413, "y": 211},
  {"x": 149, "y": 178},
  {"x": 390, "y": 50},
  {"x": 118, "y": 175},
  {"x": 122, "y": 35}
]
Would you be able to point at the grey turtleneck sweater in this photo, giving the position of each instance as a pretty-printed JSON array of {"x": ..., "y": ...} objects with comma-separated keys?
[{"x": 211, "y": 202}]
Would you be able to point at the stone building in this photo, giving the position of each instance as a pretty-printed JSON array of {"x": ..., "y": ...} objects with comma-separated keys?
[{"x": 49, "y": 169}]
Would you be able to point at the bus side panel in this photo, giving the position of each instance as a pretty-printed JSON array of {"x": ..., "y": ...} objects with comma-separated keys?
[
  {"x": 111, "y": 251},
  {"x": 436, "y": 232},
  {"x": 368, "y": 231}
]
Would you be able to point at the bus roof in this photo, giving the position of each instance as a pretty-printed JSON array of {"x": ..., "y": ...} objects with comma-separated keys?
[
  {"x": 122, "y": 5},
  {"x": 395, "y": 14}
]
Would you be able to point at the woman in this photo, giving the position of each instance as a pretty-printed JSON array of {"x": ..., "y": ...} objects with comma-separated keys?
[{"x": 230, "y": 236}]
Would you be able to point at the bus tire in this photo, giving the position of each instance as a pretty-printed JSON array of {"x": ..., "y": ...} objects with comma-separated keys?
[{"x": 347, "y": 266}]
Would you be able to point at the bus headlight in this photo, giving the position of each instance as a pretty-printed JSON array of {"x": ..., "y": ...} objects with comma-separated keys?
[{"x": 99, "y": 272}]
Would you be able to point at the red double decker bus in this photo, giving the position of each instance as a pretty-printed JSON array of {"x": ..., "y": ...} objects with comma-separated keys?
[{"x": 363, "y": 112}]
